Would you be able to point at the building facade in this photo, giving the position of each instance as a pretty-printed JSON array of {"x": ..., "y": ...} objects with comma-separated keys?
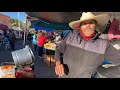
[
  {"x": 5, "y": 23},
  {"x": 5, "y": 20}
]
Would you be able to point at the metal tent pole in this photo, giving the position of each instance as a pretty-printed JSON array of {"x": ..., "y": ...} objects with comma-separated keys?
[
  {"x": 19, "y": 22},
  {"x": 25, "y": 31}
]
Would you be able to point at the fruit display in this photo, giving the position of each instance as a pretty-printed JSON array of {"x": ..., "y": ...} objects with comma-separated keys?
[
  {"x": 50, "y": 45},
  {"x": 8, "y": 76},
  {"x": 24, "y": 72},
  {"x": 7, "y": 71}
]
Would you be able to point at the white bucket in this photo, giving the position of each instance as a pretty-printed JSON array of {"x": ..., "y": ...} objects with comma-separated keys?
[{"x": 23, "y": 56}]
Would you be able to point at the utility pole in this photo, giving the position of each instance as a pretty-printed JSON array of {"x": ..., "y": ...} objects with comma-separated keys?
[
  {"x": 19, "y": 22},
  {"x": 25, "y": 31}
]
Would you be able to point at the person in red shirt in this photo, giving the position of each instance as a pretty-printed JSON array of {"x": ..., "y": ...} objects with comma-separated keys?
[{"x": 41, "y": 41}]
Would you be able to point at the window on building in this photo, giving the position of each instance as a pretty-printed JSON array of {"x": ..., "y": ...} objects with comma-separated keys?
[{"x": 4, "y": 21}]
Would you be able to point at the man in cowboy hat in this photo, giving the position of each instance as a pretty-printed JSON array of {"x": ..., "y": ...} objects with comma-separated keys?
[{"x": 83, "y": 50}]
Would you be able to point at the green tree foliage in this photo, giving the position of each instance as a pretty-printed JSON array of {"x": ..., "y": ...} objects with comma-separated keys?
[{"x": 15, "y": 22}]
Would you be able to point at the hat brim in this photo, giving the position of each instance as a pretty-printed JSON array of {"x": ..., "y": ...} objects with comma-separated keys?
[{"x": 102, "y": 21}]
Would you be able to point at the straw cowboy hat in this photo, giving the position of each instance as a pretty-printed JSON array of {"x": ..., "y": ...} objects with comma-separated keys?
[{"x": 101, "y": 19}]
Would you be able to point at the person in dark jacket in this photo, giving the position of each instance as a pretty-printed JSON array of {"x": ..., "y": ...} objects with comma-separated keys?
[
  {"x": 12, "y": 39},
  {"x": 83, "y": 50}
]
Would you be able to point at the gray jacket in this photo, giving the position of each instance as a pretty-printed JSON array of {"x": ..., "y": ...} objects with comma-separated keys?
[{"x": 83, "y": 57}]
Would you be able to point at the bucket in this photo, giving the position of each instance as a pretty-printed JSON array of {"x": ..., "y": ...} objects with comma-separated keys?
[{"x": 23, "y": 56}]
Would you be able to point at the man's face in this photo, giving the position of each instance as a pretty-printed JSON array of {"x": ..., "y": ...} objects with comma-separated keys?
[{"x": 88, "y": 27}]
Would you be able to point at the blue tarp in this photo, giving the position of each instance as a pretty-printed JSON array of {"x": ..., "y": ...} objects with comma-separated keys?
[
  {"x": 49, "y": 25},
  {"x": 43, "y": 28},
  {"x": 106, "y": 62}
]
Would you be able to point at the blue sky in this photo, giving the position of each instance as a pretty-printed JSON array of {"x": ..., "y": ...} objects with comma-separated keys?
[{"x": 15, "y": 15}]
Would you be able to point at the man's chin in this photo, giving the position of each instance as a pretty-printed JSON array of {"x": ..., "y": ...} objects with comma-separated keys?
[{"x": 88, "y": 35}]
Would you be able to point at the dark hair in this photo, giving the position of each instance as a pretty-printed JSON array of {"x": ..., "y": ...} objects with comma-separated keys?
[{"x": 91, "y": 21}]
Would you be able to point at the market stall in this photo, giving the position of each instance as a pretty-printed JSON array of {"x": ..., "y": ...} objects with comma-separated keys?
[
  {"x": 9, "y": 70},
  {"x": 22, "y": 67}
]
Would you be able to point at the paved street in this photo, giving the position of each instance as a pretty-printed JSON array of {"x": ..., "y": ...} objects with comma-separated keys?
[{"x": 42, "y": 70}]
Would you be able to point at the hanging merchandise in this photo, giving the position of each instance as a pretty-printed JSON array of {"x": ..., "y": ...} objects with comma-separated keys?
[
  {"x": 37, "y": 27},
  {"x": 116, "y": 43},
  {"x": 105, "y": 32},
  {"x": 107, "y": 27},
  {"x": 114, "y": 32}
]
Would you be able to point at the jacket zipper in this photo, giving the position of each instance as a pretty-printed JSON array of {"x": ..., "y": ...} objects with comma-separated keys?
[{"x": 82, "y": 56}]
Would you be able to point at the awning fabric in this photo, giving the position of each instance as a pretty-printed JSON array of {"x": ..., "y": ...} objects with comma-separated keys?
[
  {"x": 3, "y": 27},
  {"x": 47, "y": 24}
]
